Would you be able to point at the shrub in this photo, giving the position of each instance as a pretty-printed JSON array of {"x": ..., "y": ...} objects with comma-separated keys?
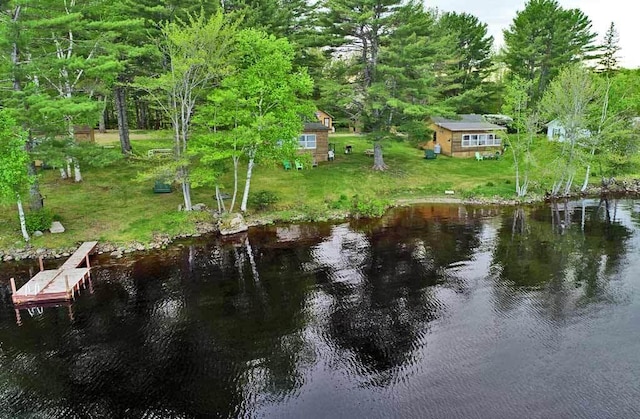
[
  {"x": 263, "y": 199},
  {"x": 39, "y": 220},
  {"x": 341, "y": 203},
  {"x": 368, "y": 207}
]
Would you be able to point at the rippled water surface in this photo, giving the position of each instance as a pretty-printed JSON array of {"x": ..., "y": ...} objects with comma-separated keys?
[{"x": 432, "y": 311}]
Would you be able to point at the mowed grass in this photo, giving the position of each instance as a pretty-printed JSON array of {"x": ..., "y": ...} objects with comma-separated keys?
[{"x": 115, "y": 204}]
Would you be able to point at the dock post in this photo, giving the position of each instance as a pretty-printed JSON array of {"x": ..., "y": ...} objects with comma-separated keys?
[
  {"x": 86, "y": 258},
  {"x": 66, "y": 285},
  {"x": 13, "y": 285},
  {"x": 41, "y": 264}
]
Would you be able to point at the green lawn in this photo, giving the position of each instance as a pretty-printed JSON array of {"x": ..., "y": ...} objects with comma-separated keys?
[{"x": 114, "y": 204}]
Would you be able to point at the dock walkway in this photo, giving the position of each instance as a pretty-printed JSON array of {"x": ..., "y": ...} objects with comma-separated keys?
[{"x": 56, "y": 285}]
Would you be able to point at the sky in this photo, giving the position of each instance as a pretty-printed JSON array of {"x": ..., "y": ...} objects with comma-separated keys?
[{"x": 498, "y": 15}]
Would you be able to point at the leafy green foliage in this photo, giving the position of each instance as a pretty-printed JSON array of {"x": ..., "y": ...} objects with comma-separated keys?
[
  {"x": 262, "y": 200},
  {"x": 368, "y": 207},
  {"x": 543, "y": 38},
  {"x": 14, "y": 180},
  {"x": 38, "y": 220}
]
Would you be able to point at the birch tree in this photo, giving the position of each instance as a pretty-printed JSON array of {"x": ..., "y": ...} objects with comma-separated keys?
[
  {"x": 568, "y": 99},
  {"x": 270, "y": 97},
  {"x": 196, "y": 50},
  {"x": 525, "y": 122},
  {"x": 14, "y": 179}
]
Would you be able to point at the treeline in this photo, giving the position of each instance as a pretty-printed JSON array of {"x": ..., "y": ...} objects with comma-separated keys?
[{"x": 383, "y": 66}]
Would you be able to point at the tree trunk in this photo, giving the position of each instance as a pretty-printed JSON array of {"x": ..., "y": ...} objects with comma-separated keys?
[
  {"x": 186, "y": 194},
  {"x": 378, "y": 160},
  {"x": 235, "y": 182},
  {"x": 585, "y": 184},
  {"x": 23, "y": 223},
  {"x": 63, "y": 173},
  {"x": 247, "y": 185},
  {"x": 76, "y": 171},
  {"x": 123, "y": 124},
  {"x": 102, "y": 125},
  {"x": 68, "y": 167}
]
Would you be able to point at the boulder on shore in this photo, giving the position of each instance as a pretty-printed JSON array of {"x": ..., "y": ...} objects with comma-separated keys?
[
  {"x": 56, "y": 227},
  {"x": 232, "y": 225}
]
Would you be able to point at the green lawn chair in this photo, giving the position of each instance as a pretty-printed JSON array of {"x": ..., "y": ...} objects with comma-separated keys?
[
  {"x": 162, "y": 186},
  {"x": 430, "y": 154},
  {"x": 479, "y": 156},
  {"x": 298, "y": 165},
  {"x": 286, "y": 164}
]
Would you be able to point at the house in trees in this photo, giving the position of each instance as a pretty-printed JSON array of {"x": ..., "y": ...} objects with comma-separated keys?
[
  {"x": 314, "y": 140},
  {"x": 464, "y": 136},
  {"x": 84, "y": 133},
  {"x": 557, "y": 132},
  {"x": 325, "y": 119}
]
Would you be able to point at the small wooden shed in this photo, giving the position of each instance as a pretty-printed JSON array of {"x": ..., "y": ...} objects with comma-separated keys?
[
  {"x": 314, "y": 140},
  {"x": 84, "y": 133},
  {"x": 325, "y": 119},
  {"x": 465, "y": 136}
]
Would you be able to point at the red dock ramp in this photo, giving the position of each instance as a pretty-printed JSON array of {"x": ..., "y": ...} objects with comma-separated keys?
[{"x": 59, "y": 284}]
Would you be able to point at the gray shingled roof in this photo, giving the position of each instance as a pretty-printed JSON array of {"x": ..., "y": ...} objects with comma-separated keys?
[
  {"x": 470, "y": 122},
  {"x": 315, "y": 126}
]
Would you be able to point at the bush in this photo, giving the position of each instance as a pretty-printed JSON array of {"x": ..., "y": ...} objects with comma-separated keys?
[
  {"x": 38, "y": 220},
  {"x": 341, "y": 204},
  {"x": 368, "y": 207},
  {"x": 263, "y": 199}
]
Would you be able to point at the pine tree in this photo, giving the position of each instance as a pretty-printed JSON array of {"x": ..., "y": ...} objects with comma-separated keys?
[{"x": 608, "y": 63}]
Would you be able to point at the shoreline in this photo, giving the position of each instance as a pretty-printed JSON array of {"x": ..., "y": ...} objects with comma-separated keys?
[{"x": 162, "y": 241}]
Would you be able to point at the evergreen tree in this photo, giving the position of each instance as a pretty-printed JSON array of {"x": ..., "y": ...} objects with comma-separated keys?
[
  {"x": 471, "y": 62},
  {"x": 543, "y": 38},
  {"x": 608, "y": 63}
]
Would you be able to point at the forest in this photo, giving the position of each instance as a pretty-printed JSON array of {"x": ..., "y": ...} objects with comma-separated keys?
[{"x": 234, "y": 80}]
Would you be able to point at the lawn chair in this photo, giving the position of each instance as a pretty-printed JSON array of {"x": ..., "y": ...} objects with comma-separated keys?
[
  {"x": 479, "y": 156},
  {"x": 331, "y": 155},
  {"x": 286, "y": 164},
  {"x": 298, "y": 165},
  {"x": 430, "y": 154}
]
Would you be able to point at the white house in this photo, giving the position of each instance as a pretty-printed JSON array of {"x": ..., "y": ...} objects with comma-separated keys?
[{"x": 556, "y": 132}]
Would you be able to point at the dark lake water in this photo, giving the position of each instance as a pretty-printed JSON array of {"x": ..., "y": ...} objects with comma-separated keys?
[{"x": 434, "y": 311}]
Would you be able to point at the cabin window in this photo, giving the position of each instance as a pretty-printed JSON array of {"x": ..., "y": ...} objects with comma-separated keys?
[
  {"x": 307, "y": 141},
  {"x": 480, "y": 140}
]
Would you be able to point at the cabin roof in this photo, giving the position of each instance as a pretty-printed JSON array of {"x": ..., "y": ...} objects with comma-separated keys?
[
  {"x": 468, "y": 122},
  {"x": 315, "y": 126}
]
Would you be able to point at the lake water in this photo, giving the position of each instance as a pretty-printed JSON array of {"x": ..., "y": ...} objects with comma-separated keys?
[{"x": 434, "y": 311}]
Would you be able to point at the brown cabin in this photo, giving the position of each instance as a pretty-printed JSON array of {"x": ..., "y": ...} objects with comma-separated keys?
[
  {"x": 325, "y": 119},
  {"x": 315, "y": 141},
  {"x": 465, "y": 136},
  {"x": 84, "y": 133}
]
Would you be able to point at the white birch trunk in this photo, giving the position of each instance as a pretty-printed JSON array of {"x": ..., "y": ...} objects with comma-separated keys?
[
  {"x": 63, "y": 173},
  {"x": 68, "y": 167},
  {"x": 23, "y": 223},
  {"x": 76, "y": 171},
  {"x": 247, "y": 185},
  {"x": 235, "y": 182}
]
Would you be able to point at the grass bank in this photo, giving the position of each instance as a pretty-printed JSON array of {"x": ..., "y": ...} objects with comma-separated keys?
[{"x": 113, "y": 204}]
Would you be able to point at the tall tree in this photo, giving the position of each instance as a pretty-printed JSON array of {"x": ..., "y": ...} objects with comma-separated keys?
[
  {"x": 568, "y": 100},
  {"x": 196, "y": 50},
  {"x": 472, "y": 62},
  {"x": 543, "y": 38},
  {"x": 268, "y": 96},
  {"x": 361, "y": 28},
  {"x": 14, "y": 179},
  {"x": 608, "y": 63},
  {"x": 525, "y": 121}
]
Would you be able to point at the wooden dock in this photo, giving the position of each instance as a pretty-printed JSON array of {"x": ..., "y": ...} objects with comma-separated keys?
[{"x": 56, "y": 285}]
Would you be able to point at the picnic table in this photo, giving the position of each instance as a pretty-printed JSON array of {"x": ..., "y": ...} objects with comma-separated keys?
[{"x": 369, "y": 152}]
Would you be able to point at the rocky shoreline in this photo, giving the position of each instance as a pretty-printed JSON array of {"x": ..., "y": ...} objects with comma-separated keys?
[{"x": 235, "y": 224}]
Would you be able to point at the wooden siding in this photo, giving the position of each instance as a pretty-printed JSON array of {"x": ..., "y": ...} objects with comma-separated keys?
[
  {"x": 322, "y": 115},
  {"x": 451, "y": 142},
  {"x": 321, "y": 152}
]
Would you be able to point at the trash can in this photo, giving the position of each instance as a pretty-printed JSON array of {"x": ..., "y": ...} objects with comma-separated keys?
[{"x": 436, "y": 148}]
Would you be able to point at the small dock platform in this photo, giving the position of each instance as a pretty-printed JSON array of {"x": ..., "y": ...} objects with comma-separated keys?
[{"x": 56, "y": 285}]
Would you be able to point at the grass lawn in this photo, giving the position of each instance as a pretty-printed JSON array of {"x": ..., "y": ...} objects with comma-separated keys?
[{"x": 114, "y": 204}]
